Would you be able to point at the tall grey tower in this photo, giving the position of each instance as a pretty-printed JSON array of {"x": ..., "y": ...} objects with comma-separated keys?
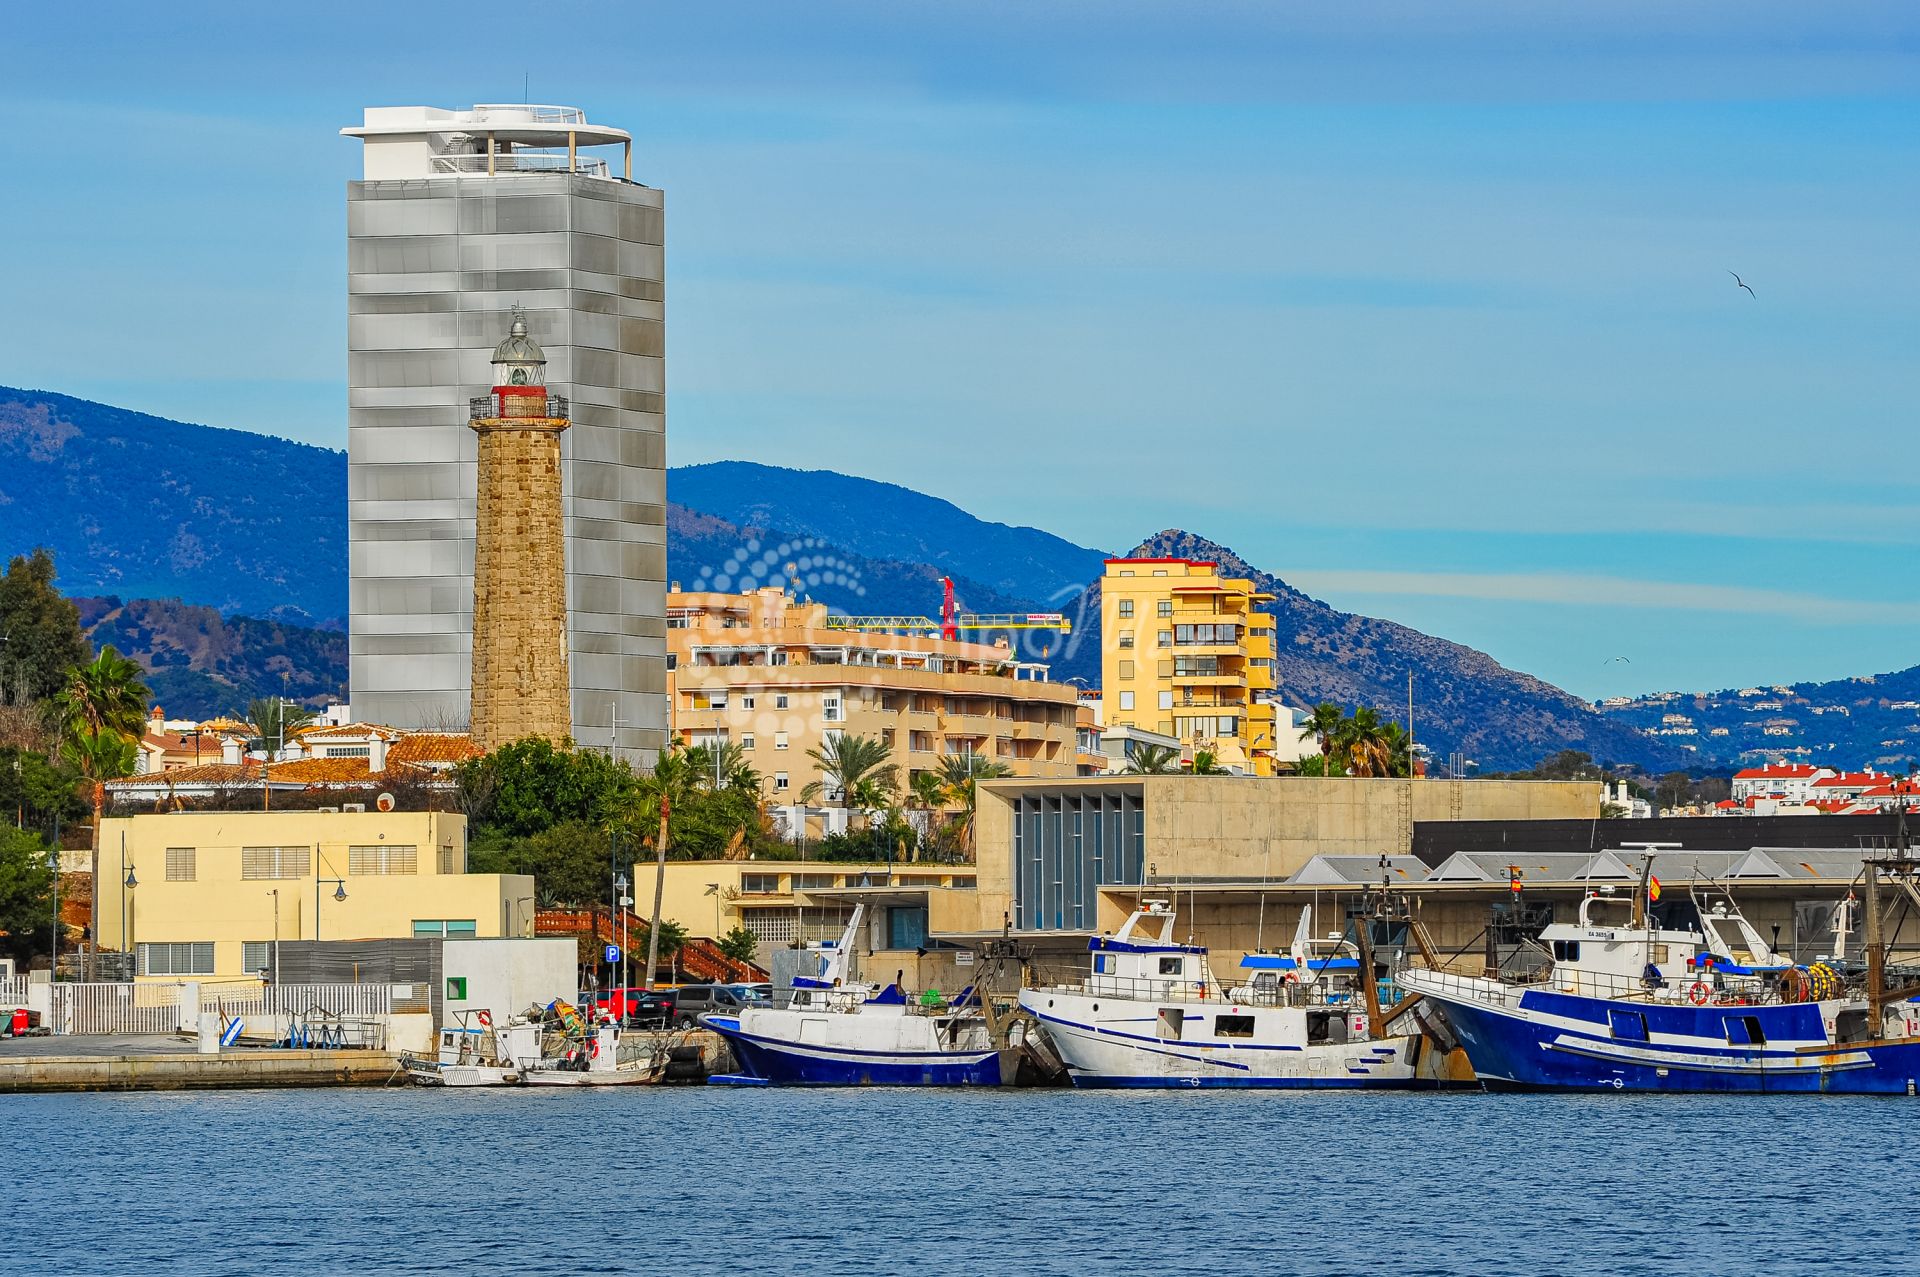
[{"x": 463, "y": 216}]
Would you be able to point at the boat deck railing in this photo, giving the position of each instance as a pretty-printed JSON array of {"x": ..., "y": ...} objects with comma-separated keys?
[
  {"x": 1176, "y": 992},
  {"x": 1706, "y": 988}
]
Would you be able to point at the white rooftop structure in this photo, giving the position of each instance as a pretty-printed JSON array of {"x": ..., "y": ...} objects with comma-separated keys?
[{"x": 406, "y": 142}]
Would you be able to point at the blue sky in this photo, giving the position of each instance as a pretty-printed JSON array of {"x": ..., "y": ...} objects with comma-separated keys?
[{"x": 1425, "y": 308}]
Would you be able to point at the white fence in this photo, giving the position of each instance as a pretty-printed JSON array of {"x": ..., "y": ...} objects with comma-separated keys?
[
  {"x": 13, "y": 990},
  {"x": 158, "y": 1007}
]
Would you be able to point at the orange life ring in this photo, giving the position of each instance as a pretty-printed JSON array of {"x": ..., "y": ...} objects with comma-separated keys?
[
  {"x": 486, "y": 1019},
  {"x": 1698, "y": 993}
]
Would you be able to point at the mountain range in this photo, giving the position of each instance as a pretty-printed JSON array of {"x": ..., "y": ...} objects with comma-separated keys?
[
  {"x": 1849, "y": 723},
  {"x": 184, "y": 536}
]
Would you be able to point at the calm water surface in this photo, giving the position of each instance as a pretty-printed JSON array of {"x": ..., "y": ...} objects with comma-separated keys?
[{"x": 709, "y": 1180}]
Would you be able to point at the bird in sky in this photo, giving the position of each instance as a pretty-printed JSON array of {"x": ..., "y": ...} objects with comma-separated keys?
[{"x": 1743, "y": 284}]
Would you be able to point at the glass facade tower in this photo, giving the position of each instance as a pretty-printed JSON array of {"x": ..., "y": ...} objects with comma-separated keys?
[{"x": 462, "y": 217}]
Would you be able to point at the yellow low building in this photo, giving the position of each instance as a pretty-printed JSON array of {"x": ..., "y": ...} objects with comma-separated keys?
[{"x": 207, "y": 893}]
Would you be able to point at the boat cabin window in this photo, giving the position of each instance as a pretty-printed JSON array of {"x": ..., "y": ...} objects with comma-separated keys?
[
  {"x": 1103, "y": 964},
  {"x": 1233, "y": 1026},
  {"x": 1169, "y": 966},
  {"x": 1630, "y": 1026},
  {"x": 1744, "y": 1030},
  {"x": 1566, "y": 951}
]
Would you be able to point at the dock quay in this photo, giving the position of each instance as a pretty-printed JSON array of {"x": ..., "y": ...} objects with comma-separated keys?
[{"x": 156, "y": 1062}]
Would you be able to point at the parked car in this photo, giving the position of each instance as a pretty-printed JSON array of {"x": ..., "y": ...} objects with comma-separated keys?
[
  {"x": 632, "y": 1003},
  {"x": 691, "y": 1001},
  {"x": 650, "y": 1009},
  {"x": 758, "y": 994}
]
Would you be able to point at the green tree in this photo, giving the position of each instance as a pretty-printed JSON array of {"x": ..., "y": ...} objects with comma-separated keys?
[
  {"x": 928, "y": 790},
  {"x": 26, "y": 895},
  {"x": 36, "y": 788},
  {"x": 733, "y": 770},
  {"x": 1362, "y": 741},
  {"x": 277, "y": 720},
  {"x": 1674, "y": 790},
  {"x": 961, "y": 774},
  {"x": 528, "y": 786},
  {"x": 673, "y": 938},
  {"x": 1324, "y": 721},
  {"x": 1206, "y": 763},
  {"x": 102, "y": 711},
  {"x": 856, "y": 766},
  {"x": 40, "y": 634},
  {"x": 739, "y": 944},
  {"x": 1153, "y": 760},
  {"x": 1399, "y": 750}
]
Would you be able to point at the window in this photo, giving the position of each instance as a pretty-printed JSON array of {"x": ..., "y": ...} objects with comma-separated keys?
[
  {"x": 1163, "y": 608},
  {"x": 181, "y": 865},
  {"x": 456, "y": 988},
  {"x": 1126, "y": 669},
  {"x": 780, "y": 700},
  {"x": 450, "y": 860},
  {"x": 274, "y": 862},
  {"x": 1566, "y": 951},
  {"x": 769, "y": 926},
  {"x": 1126, "y": 607},
  {"x": 1170, "y": 966},
  {"x": 444, "y": 928},
  {"x": 759, "y": 884},
  {"x": 830, "y": 708},
  {"x": 1744, "y": 1030},
  {"x": 1233, "y": 1026},
  {"x": 191, "y": 958},
  {"x": 779, "y": 740},
  {"x": 1126, "y": 700},
  {"x": 746, "y": 702},
  {"x": 1166, "y": 700},
  {"x": 1126, "y": 640},
  {"x": 1166, "y": 638},
  {"x": 377, "y": 860},
  {"x": 256, "y": 956},
  {"x": 814, "y": 882},
  {"x": 1159, "y": 571},
  {"x": 746, "y": 740},
  {"x": 1630, "y": 1026},
  {"x": 779, "y": 781}
]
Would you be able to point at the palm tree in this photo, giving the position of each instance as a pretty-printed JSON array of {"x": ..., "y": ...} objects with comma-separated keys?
[
  {"x": 927, "y": 790},
  {"x": 277, "y": 720},
  {"x": 1325, "y": 722},
  {"x": 858, "y": 768},
  {"x": 1363, "y": 740},
  {"x": 733, "y": 770},
  {"x": 1206, "y": 763},
  {"x": 1399, "y": 750},
  {"x": 101, "y": 712},
  {"x": 962, "y": 773},
  {"x": 1153, "y": 760}
]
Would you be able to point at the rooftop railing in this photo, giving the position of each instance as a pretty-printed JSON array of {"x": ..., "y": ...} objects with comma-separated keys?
[
  {"x": 535, "y": 113},
  {"x": 483, "y": 407},
  {"x": 520, "y": 162}
]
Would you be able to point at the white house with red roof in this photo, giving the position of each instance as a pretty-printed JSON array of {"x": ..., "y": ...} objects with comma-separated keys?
[{"x": 1787, "y": 782}]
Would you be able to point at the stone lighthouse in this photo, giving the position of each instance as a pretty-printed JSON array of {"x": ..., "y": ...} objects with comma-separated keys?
[{"x": 520, "y": 685}]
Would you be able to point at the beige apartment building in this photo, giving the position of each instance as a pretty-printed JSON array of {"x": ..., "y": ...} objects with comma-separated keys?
[
  {"x": 773, "y": 675},
  {"x": 1183, "y": 652}
]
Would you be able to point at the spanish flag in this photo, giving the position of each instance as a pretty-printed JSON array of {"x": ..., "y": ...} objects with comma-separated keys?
[{"x": 1653, "y": 889}]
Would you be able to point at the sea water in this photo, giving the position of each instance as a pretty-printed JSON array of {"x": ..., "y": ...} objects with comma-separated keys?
[{"x": 695, "y": 1180}]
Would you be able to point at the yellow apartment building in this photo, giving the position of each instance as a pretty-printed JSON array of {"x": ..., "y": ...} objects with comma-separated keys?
[
  {"x": 1183, "y": 652},
  {"x": 770, "y": 674},
  {"x": 206, "y": 893}
]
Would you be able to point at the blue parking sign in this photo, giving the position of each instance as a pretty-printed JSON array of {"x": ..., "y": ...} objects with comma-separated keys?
[{"x": 613, "y": 953}]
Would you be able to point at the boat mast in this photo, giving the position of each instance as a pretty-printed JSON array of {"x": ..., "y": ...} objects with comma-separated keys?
[{"x": 1876, "y": 955}]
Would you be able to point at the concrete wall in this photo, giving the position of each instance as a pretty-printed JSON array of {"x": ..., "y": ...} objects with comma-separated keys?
[
  {"x": 1231, "y": 827},
  {"x": 505, "y": 977}
]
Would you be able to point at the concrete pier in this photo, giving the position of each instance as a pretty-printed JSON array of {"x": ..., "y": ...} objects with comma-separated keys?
[{"x": 148, "y": 1069}]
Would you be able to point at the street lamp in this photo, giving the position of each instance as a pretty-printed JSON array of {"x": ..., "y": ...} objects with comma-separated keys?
[
  {"x": 339, "y": 893},
  {"x": 620, "y": 885},
  {"x": 126, "y": 932}
]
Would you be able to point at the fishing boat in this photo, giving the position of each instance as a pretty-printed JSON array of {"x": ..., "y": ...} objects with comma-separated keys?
[
  {"x": 577, "y": 1052},
  {"x": 1629, "y": 1004},
  {"x": 836, "y": 1031},
  {"x": 472, "y": 1052},
  {"x": 1151, "y": 1014}
]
